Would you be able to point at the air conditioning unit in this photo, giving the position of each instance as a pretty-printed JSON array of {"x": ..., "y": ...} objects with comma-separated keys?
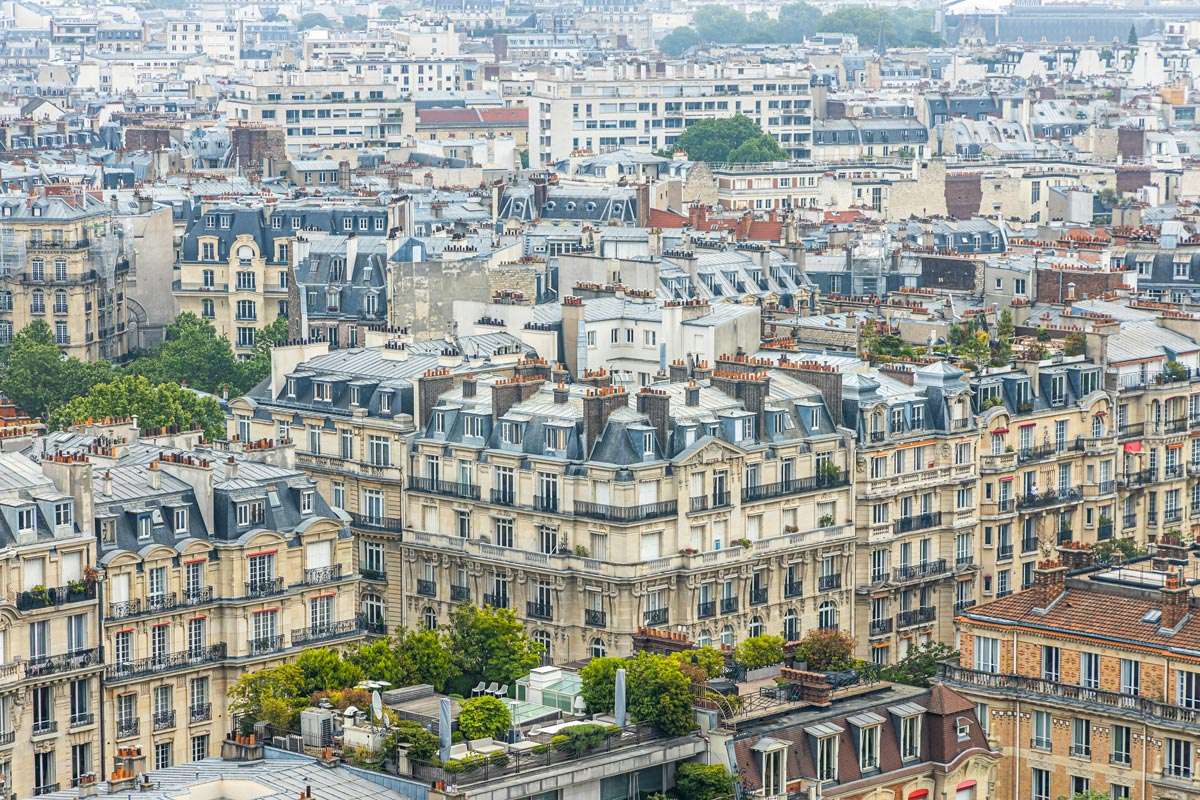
[{"x": 316, "y": 727}]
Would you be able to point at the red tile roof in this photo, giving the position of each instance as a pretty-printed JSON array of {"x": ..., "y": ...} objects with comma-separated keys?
[
  {"x": 483, "y": 117},
  {"x": 666, "y": 219}
]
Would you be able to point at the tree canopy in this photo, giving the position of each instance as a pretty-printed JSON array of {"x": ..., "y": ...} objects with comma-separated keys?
[
  {"x": 679, "y": 41},
  {"x": 156, "y": 405},
  {"x": 736, "y": 138},
  {"x": 657, "y": 689},
  {"x": 489, "y": 644},
  {"x": 38, "y": 378}
]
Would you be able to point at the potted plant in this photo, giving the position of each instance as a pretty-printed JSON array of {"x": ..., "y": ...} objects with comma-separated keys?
[
  {"x": 828, "y": 472},
  {"x": 581, "y": 551},
  {"x": 41, "y": 593},
  {"x": 744, "y": 542},
  {"x": 825, "y": 521}
]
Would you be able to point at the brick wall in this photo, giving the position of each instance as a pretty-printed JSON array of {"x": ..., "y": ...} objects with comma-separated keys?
[
  {"x": 963, "y": 195},
  {"x": 1052, "y": 284}
]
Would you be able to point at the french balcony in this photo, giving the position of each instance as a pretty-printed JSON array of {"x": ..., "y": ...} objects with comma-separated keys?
[
  {"x": 706, "y": 609},
  {"x": 265, "y": 645},
  {"x": 322, "y": 575},
  {"x": 655, "y": 617},
  {"x": 197, "y": 596},
  {"x": 127, "y": 728},
  {"x": 163, "y": 720},
  {"x": 127, "y": 670},
  {"x": 464, "y": 491},
  {"x": 793, "y": 589},
  {"x": 595, "y": 618},
  {"x": 372, "y": 574},
  {"x": 925, "y": 569},
  {"x": 881, "y": 627},
  {"x": 376, "y": 524},
  {"x": 625, "y": 514},
  {"x": 460, "y": 594},
  {"x": 962, "y": 605},
  {"x": 325, "y": 632},
  {"x": 827, "y": 583},
  {"x": 916, "y": 616},
  {"x": 46, "y": 597},
  {"x": 426, "y": 588},
  {"x": 729, "y": 605},
  {"x": 1052, "y": 497},
  {"x": 794, "y": 486},
  {"x": 758, "y": 595},
  {"x": 543, "y": 611},
  {"x": 43, "y": 727},
  {"x": 81, "y": 720},
  {"x": 496, "y": 600},
  {"x": 1004, "y": 552},
  {"x": 199, "y": 712},
  {"x": 266, "y": 587},
  {"x": 40, "y": 667},
  {"x": 917, "y": 523}
]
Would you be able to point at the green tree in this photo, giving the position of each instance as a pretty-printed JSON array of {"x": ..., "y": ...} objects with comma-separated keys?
[
  {"x": 597, "y": 679},
  {"x": 489, "y": 644},
  {"x": 424, "y": 657},
  {"x": 354, "y": 22},
  {"x": 725, "y": 139},
  {"x": 193, "y": 354},
  {"x": 484, "y": 717},
  {"x": 697, "y": 781},
  {"x": 916, "y": 668},
  {"x": 1002, "y": 344},
  {"x": 1126, "y": 548},
  {"x": 826, "y": 650},
  {"x": 38, "y": 378},
  {"x": 270, "y": 695},
  {"x": 162, "y": 405},
  {"x": 378, "y": 660},
  {"x": 1075, "y": 344},
  {"x": 679, "y": 41},
  {"x": 796, "y": 21},
  {"x": 708, "y": 662},
  {"x": 759, "y": 651},
  {"x": 1132, "y": 39},
  {"x": 722, "y": 24},
  {"x": 252, "y": 371},
  {"x": 325, "y": 670},
  {"x": 659, "y": 693}
]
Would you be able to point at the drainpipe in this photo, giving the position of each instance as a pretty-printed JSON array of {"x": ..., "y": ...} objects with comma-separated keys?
[
  {"x": 1016, "y": 777},
  {"x": 100, "y": 675}
]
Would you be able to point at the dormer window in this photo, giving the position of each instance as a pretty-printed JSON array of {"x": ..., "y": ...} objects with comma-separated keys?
[
  {"x": 62, "y": 514},
  {"x": 746, "y": 428},
  {"x": 144, "y": 527},
  {"x": 918, "y": 416},
  {"x": 108, "y": 531},
  {"x": 897, "y": 420},
  {"x": 337, "y": 269},
  {"x": 556, "y": 438},
  {"x": 354, "y": 392},
  {"x": 814, "y": 419},
  {"x": 226, "y": 220},
  {"x": 910, "y": 738},
  {"x": 439, "y": 422},
  {"x": 868, "y": 748},
  {"x": 1089, "y": 382},
  {"x": 306, "y": 501},
  {"x": 510, "y": 433},
  {"x": 827, "y": 758},
  {"x": 181, "y": 520},
  {"x": 25, "y": 520},
  {"x": 648, "y": 444},
  {"x": 321, "y": 391},
  {"x": 248, "y": 513},
  {"x": 291, "y": 387},
  {"x": 774, "y": 772},
  {"x": 962, "y": 728},
  {"x": 1058, "y": 390},
  {"x": 210, "y": 221},
  {"x": 472, "y": 425}
]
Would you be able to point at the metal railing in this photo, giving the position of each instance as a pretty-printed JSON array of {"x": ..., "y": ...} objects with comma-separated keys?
[
  {"x": 466, "y": 491},
  {"x": 374, "y": 523},
  {"x": 916, "y": 616},
  {"x": 536, "y": 610},
  {"x": 495, "y": 600},
  {"x": 127, "y": 728},
  {"x": 908, "y": 572},
  {"x": 793, "y": 589},
  {"x": 460, "y": 594},
  {"x": 265, "y": 588},
  {"x": 729, "y": 605},
  {"x": 320, "y": 575},
  {"x": 792, "y": 486},
  {"x": 125, "y": 670},
  {"x": 706, "y": 609},
  {"x": 610, "y": 513},
  {"x": 655, "y": 617},
  {"x": 426, "y": 588},
  {"x": 917, "y": 522},
  {"x": 758, "y": 595},
  {"x": 66, "y": 662},
  {"x": 45, "y": 597},
  {"x": 595, "y": 618},
  {"x": 164, "y": 720},
  {"x": 826, "y": 583},
  {"x": 325, "y": 631},
  {"x": 199, "y": 712},
  {"x": 879, "y": 627},
  {"x": 265, "y": 644}
]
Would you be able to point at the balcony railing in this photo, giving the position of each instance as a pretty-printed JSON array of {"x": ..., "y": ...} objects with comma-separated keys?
[
  {"x": 729, "y": 605},
  {"x": 199, "y": 712},
  {"x": 1104, "y": 530},
  {"x": 1081, "y": 750},
  {"x": 1024, "y": 686},
  {"x": 124, "y": 609},
  {"x": 81, "y": 719},
  {"x": 595, "y": 618},
  {"x": 53, "y": 665},
  {"x": 127, "y": 728},
  {"x": 164, "y": 720},
  {"x": 610, "y": 513},
  {"x": 1139, "y": 478},
  {"x": 460, "y": 594},
  {"x": 197, "y": 596},
  {"x": 55, "y": 596},
  {"x": 372, "y": 574},
  {"x": 917, "y": 523},
  {"x": 1049, "y": 498},
  {"x": 709, "y": 501},
  {"x": 793, "y": 486},
  {"x": 124, "y": 670},
  {"x": 426, "y": 588},
  {"x": 157, "y": 603},
  {"x": 539, "y": 610},
  {"x": 908, "y": 572},
  {"x": 496, "y": 600},
  {"x": 371, "y": 522},
  {"x": 916, "y": 616},
  {"x": 962, "y": 605},
  {"x": 827, "y": 583},
  {"x": 1178, "y": 771},
  {"x": 793, "y": 589},
  {"x": 504, "y": 497},
  {"x": 466, "y": 491},
  {"x": 1131, "y": 431},
  {"x": 324, "y": 632},
  {"x": 319, "y": 575},
  {"x": 546, "y": 503},
  {"x": 265, "y": 644},
  {"x": 1004, "y": 552},
  {"x": 758, "y": 595},
  {"x": 879, "y": 627},
  {"x": 267, "y": 587},
  {"x": 706, "y": 609},
  {"x": 372, "y": 624},
  {"x": 41, "y": 727},
  {"x": 655, "y": 617}
]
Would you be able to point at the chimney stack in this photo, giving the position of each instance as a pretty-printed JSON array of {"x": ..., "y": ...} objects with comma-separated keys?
[
  {"x": 156, "y": 476},
  {"x": 656, "y": 405},
  {"x": 691, "y": 394},
  {"x": 598, "y": 405},
  {"x": 468, "y": 386},
  {"x": 561, "y": 394},
  {"x": 1048, "y": 582},
  {"x": 1176, "y": 600}
]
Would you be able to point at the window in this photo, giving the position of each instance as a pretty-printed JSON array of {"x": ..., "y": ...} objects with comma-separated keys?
[
  {"x": 1081, "y": 737},
  {"x": 1040, "y": 784},
  {"x": 827, "y": 615},
  {"x": 1178, "y": 758},
  {"x": 250, "y": 513},
  {"x": 1089, "y": 670},
  {"x": 1050, "y": 663},
  {"x": 1187, "y": 689},
  {"x": 827, "y": 749},
  {"x": 1041, "y": 730},
  {"x": 306, "y": 501},
  {"x": 503, "y": 530},
  {"x": 200, "y": 747},
  {"x": 868, "y": 748},
  {"x": 910, "y": 737},
  {"x": 987, "y": 654},
  {"x": 180, "y": 518},
  {"x": 379, "y": 451},
  {"x": 1121, "y": 738},
  {"x": 1131, "y": 676},
  {"x": 162, "y": 755}
]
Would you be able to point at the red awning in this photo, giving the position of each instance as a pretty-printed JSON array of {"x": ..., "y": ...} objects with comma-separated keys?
[
  {"x": 1028, "y": 424},
  {"x": 999, "y": 431},
  {"x": 918, "y": 794},
  {"x": 1133, "y": 447},
  {"x": 965, "y": 785},
  {"x": 1006, "y": 478}
]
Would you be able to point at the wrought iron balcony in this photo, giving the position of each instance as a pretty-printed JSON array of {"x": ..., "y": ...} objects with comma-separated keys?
[
  {"x": 45, "y": 597},
  {"x": 638, "y": 513},
  {"x": 371, "y": 522},
  {"x": 827, "y": 583},
  {"x": 53, "y": 665},
  {"x": 1049, "y": 498},
  {"x": 319, "y": 575},
  {"x": 539, "y": 610},
  {"x": 81, "y": 719},
  {"x": 426, "y": 588},
  {"x": 124, "y": 609},
  {"x": 729, "y": 605},
  {"x": 793, "y": 486},
  {"x": 197, "y": 596},
  {"x": 125, "y": 670},
  {"x": 504, "y": 497},
  {"x": 324, "y": 632},
  {"x": 164, "y": 720},
  {"x": 496, "y": 600},
  {"x": 917, "y": 523},
  {"x": 879, "y": 627},
  {"x": 706, "y": 609},
  {"x": 460, "y": 594},
  {"x": 41, "y": 727},
  {"x": 793, "y": 589},
  {"x": 265, "y": 644},
  {"x": 925, "y": 569},
  {"x": 1004, "y": 552},
  {"x": 916, "y": 616},
  {"x": 963, "y": 605},
  {"x": 157, "y": 603},
  {"x": 267, "y": 587},
  {"x": 199, "y": 712},
  {"x": 547, "y": 503},
  {"x": 466, "y": 491},
  {"x": 372, "y": 574},
  {"x": 758, "y": 595},
  {"x": 655, "y": 617},
  {"x": 372, "y": 625},
  {"x": 127, "y": 728},
  {"x": 595, "y": 618}
]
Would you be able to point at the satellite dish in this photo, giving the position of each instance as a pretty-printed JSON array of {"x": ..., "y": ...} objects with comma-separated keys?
[{"x": 376, "y": 706}]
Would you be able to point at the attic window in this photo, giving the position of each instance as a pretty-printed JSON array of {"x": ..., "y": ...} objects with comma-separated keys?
[
  {"x": 439, "y": 422},
  {"x": 273, "y": 499},
  {"x": 648, "y": 444},
  {"x": 354, "y": 398},
  {"x": 144, "y": 527},
  {"x": 963, "y": 728},
  {"x": 556, "y": 438},
  {"x": 510, "y": 432},
  {"x": 25, "y": 520},
  {"x": 321, "y": 391},
  {"x": 385, "y": 402},
  {"x": 291, "y": 387},
  {"x": 1152, "y": 616}
]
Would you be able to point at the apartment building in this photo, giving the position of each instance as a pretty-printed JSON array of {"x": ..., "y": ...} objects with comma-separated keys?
[
  {"x": 1087, "y": 681},
  {"x": 642, "y": 105},
  {"x": 219, "y": 40},
  {"x": 349, "y": 412},
  {"x": 323, "y": 108},
  {"x": 207, "y": 563},
  {"x": 1048, "y": 464},
  {"x": 52, "y": 663},
  {"x": 63, "y": 262},
  {"x": 418, "y": 77},
  {"x": 236, "y": 262},
  {"x": 916, "y": 489},
  {"x": 716, "y": 506}
]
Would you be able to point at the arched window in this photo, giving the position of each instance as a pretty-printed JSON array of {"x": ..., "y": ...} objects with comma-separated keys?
[
  {"x": 827, "y": 616},
  {"x": 756, "y": 626},
  {"x": 791, "y": 630},
  {"x": 727, "y": 636},
  {"x": 372, "y": 607},
  {"x": 429, "y": 618},
  {"x": 598, "y": 648},
  {"x": 542, "y": 640},
  {"x": 705, "y": 638},
  {"x": 1097, "y": 426}
]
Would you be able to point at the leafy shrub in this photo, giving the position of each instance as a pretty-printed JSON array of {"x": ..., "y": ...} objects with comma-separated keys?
[{"x": 484, "y": 718}]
